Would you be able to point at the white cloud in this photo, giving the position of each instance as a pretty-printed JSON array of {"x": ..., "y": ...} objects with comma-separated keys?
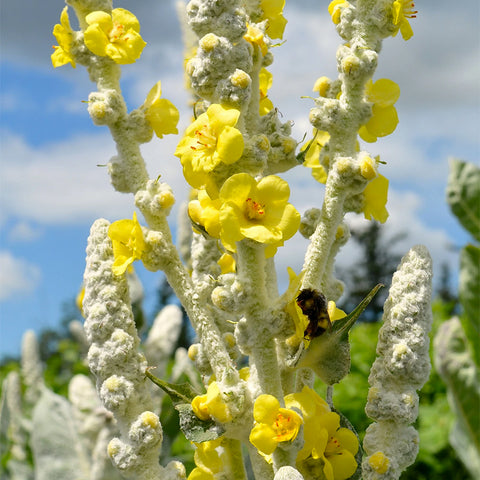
[
  {"x": 62, "y": 184},
  {"x": 23, "y": 232},
  {"x": 17, "y": 276}
]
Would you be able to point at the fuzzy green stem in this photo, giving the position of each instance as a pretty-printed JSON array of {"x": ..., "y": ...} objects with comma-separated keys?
[
  {"x": 261, "y": 469},
  {"x": 233, "y": 449},
  {"x": 317, "y": 256},
  {"x": 258, "y": 313}
]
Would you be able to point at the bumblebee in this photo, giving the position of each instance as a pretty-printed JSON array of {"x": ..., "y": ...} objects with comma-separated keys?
[{"x": 314, "y": 306}]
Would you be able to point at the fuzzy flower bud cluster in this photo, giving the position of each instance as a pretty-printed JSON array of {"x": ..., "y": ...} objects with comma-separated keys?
[
  {"x": 118, "y": 366},
  {"x": 401, "y": 368}
]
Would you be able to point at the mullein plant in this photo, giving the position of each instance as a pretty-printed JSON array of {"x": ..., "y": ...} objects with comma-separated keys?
[{"x": 259, "y": 351}]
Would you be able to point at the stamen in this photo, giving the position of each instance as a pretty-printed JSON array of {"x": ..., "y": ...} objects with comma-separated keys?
[
  {"x": 408, "y": 10},
  {"x": 254, "y": 210}
]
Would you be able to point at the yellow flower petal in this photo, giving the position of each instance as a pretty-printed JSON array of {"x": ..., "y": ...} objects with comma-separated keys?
[
  {"x": 375, "y": 199},
  {"x": 265, "y": 408},
  {"x": 383, "y": 92},
  {"x": 64, "y": 35},
  {"x": 125, "y": 18},
  {"x": 343, "y": 465},
  {"x": 162, "y": 115},
  {"x": 273, "y": 13},
  {"x": 262, "y": 437},
  {"x": 230, "y": 145}
]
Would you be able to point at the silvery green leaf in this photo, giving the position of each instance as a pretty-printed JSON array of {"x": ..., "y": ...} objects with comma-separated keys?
[
  {"x": 469, "y": 290},
  {"x": 55, "y": 442},
  {"x": 458, "y": 370},
  {"x": 463, "y": 195}
]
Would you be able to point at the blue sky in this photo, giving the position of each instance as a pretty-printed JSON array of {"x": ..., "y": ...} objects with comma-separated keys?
[{"x": 51, "y": 188}]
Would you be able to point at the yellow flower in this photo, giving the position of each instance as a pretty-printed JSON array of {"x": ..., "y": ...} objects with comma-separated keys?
[
  {"x": 265, "y": 81},
  {"x": 324, "y": 440},
  {"x": 211, "y": 405},
  {"x": 64, "y": 35},
  {"x": 256, "y": 210},
  {"x": 273, "y": 13},
  {"x": 383, "y": 94},
  {"x": 335, "y": 9},
  {"x": 116, "y": 36},
  {"x": 208, "y": 461},
  {"x": 210, "y": 140},
  {"x": 128, "y": 243},
  {"x": 255, "y": 36},
  {"x": 206, "y": 212},
  {"x": 274, "y": 424},
  {"x": 160, "y": 113},
  {"x": 312, "y": 155},
  {"x": 402, "y": 11},
  {"x": 375, "y": 199}
]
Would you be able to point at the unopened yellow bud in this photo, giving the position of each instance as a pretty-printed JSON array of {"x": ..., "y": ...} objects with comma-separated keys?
[
  {"x": 400, "y": 350},
  {"x": 209, "y": 42},
  {"x": 166, "y": 199},
  {"x": 368, "y": 168},
  {"x": 193, "y": 352},
  {"x": 264, "y": 143},
  {"x": 379, "y": 462},
  {"x": 112, "y": 383},
  {"x": 343, "y": 165},
  {"x": 120, "y": 336},
  {"x": 240, "y": 79},
  {"x": 340, "y": 232},
  {"x": 229, "y": 339},
  {"x": 113, "y": 448},
  {"x": 97, "y": 110},
  {"x": 350, "y": 64},
  {"x": 200, "y": 407},
  {"x": 289, "y": 145},
  {"x": 372, "y": 394},
  {"x": 150, "y": 419},
  {"x": 244, "y": 373},
  {"x": 321, "y": 86}
]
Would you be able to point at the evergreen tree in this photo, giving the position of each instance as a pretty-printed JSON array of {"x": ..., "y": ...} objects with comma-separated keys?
[{"x": 376, "y": 264}]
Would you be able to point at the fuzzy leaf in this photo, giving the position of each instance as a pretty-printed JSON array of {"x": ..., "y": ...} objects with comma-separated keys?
[
  {"x": 458, "y": 370},
  {"x": 194, "y": 429},
  {"x": 463, "y": 195},
  {"x": 179, "y": 393},
  {"x": 469, "y": 290},
  {"x": 55, "y": 442}
]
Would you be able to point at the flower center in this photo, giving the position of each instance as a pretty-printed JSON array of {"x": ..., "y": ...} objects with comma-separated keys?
[
  {"x": 254, "y": 210},
  {"x": 204, "y": 139},
  {"x": 333, "y": 447},
  {"x": 284, "y": 428},
  {"x": 116, "y": 32},
  {"x": 408, "y": 9}
]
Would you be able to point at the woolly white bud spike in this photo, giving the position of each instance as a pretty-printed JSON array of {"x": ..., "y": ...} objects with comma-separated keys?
[{"x": 401, "y": 368}]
